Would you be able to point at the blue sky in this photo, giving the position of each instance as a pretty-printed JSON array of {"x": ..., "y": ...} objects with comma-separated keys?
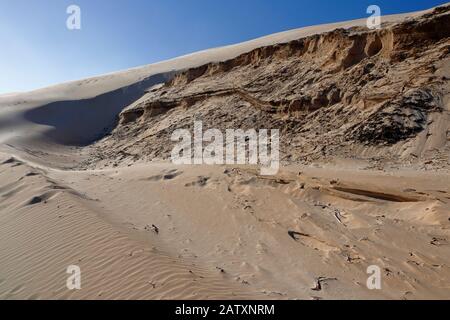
[{"x": 38, "y": 50}]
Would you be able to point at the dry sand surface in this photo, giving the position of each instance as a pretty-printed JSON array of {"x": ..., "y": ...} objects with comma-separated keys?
[{"x": 85, "y": 178}]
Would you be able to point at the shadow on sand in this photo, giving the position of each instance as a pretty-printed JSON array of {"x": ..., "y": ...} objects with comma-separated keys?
[{"x": 81, "y": 122}]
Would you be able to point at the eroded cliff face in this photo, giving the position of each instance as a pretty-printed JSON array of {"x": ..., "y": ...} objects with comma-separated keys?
[{"x": 373, "y": 94}]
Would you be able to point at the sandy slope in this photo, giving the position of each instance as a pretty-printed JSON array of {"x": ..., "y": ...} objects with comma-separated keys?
[
  {"x": 47, "y": 226},
  {"x": 155, "y": 230},
  {"x": 223, "y": 232}
]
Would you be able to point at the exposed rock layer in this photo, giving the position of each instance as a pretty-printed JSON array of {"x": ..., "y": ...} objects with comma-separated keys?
[{"x": 371, "y": 93}]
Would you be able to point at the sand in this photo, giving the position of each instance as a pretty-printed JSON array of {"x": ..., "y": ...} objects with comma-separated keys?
[
  {"x": 154, "y": 230},
  {"x": 223, "y": 232}
]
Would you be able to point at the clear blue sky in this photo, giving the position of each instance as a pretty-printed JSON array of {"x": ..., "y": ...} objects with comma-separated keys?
[{"x": 38, "y": 50}]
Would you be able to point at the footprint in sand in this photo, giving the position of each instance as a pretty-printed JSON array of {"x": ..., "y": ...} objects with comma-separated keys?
[
  {"x": 200, "y": 182},
  {"x": 311, "y": 242},
  {"x": 321, "y": 282},
  {"x": 170, "y": 175},
  {"x": 42, "y": 198},
  {"x": 35, "y": 200},
  {"x": 9, "y": 161}
]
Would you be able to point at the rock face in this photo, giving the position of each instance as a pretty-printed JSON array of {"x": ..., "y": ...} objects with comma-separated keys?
[
  {"x": 400, "y": 119},
  {"x": 371, "y": 93}
]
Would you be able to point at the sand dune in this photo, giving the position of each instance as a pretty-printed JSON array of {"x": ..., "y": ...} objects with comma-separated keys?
[
  {"x": 47, "y": 226},
  {"x": 31, "y": 115},
  {"x": 84, "y": 181},
  {"x": 222, "y": 233}
]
